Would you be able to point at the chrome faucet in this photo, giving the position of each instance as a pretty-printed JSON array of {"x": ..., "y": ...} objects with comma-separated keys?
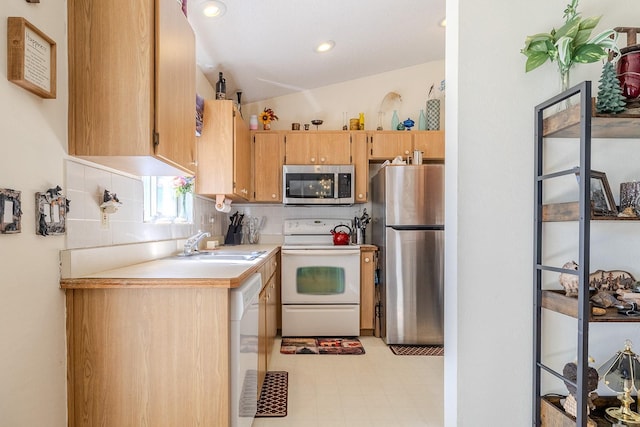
[{"x": 191, "y": 245}]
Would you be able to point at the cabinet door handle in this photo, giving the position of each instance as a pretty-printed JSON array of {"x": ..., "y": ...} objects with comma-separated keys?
[
  {"x": 367, "y": 259},
  {"x": 360, "y": 195},
  {"x": 313, "y": 160},
  {"x": 406, "y": 151},
  {"x": 322, "y": 160},
  {"x": 273, "y": 195}
]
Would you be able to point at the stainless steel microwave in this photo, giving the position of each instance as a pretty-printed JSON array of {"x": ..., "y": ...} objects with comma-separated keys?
[{"x": 318, "y": 184}]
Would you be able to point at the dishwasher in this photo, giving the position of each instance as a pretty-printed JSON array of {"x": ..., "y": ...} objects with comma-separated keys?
[{"x": 244, "y": 319}]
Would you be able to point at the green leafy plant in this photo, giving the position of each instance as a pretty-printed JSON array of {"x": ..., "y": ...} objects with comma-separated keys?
[{"x": 571, "y": 43}]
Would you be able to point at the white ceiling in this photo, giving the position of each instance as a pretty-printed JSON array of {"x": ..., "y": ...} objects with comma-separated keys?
[{"x": 266, "y": 48}]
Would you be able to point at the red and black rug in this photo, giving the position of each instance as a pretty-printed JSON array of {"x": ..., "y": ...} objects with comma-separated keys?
[
  {"x": 274, "y": 394},
  {"x": 296, "y": 345},
  {"x": 417, "y": 350}
]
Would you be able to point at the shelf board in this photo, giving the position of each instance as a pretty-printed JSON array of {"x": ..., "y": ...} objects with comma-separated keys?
[
  {"x": 570, "y": 211},
  {"x": 557, "y": 301},
  {"x": 552, "y": 413},
  {"x": 566, "y": 124}
]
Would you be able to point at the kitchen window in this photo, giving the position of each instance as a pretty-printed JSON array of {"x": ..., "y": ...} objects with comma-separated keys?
[{"x": 168, "y": 199}]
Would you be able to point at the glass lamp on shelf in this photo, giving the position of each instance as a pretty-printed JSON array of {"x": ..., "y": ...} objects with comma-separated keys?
[{"x": 621, "y": 374}]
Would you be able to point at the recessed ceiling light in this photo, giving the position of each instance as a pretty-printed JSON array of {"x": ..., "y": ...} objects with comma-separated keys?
[
  {"x": 213, "y": 8},
  {"x": 443, "y": 23},
  {"x": 325, "y": 46}
]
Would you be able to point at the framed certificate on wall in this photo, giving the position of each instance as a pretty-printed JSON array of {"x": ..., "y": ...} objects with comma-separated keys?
[{"x": 31, "y": 58}]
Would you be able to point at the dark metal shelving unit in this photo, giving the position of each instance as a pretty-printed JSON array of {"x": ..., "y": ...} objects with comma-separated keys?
[
  {"x": 578, "y": 122},
  {"x": 582, "y": 90}
]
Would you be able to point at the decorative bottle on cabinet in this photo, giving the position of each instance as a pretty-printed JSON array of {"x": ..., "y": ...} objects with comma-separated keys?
[
  {"x": 221, "y": 87},
  {"x": 395, "y": 121},
  {"x": 422, "y": 121}
]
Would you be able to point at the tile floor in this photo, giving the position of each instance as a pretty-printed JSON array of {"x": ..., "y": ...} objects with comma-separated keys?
[{"x": 377, "y": 389}]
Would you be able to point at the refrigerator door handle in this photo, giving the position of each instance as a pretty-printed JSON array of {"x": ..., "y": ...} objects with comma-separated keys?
[{"x": 416, "y": 227}]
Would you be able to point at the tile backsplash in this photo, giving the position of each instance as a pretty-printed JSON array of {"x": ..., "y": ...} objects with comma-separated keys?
[
  {"x": 84, "y": 187},
  {"x": 85, "y": 183}
]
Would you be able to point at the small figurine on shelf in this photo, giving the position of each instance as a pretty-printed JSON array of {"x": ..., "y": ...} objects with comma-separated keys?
[
  {"x": 570, "y": 405},
  {"x": 610, "y": 97},
  {"x": 408, "y": 124},
  {"x": 569, "y": 281}
]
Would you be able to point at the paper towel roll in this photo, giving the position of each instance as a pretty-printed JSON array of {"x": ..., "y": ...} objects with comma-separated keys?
[
  {"x": 224, "y": 208},
  {"x": 223, "y": 204}
]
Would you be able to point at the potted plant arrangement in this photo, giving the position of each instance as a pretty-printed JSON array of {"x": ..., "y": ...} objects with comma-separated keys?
[{"x": 571, "y": 43}]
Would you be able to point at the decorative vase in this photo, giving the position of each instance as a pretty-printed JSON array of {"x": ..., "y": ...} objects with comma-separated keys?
[
  {"x": 433, "y": 114},
  {"x": 266, "y": 126},
  {"x": 422, "y": 121},
  {"x": 253, "y": 122},
  {"x": 564, "y": 85},
  {"x": 181, "y": 207},
  {"x": 395, "y": 120}
]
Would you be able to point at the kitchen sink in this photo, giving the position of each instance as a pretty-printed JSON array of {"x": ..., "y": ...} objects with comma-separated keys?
[{"x": 223, "y": 255}]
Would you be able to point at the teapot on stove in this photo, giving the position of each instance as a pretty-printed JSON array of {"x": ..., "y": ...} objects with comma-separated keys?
[{"x": 340, "y": 237}]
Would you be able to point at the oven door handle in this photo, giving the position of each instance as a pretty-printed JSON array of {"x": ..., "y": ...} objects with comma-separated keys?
[{"x": 320, "y": 252}]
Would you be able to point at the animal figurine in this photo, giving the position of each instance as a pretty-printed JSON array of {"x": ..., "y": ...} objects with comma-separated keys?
[
  {"x": 570, "y": 372},
  {"x": 54, "y": 192},
  {"x": 109, "y": 196},
  {"x": 570, "y": 282},
  {"x": 42, "y": 225}
]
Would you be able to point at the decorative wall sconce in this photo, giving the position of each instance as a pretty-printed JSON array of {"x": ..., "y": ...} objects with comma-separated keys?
[
  {"x": 110, "y": 202},
  {"x": 52, "y": 208},
  {"x": 10, "y": 211}
]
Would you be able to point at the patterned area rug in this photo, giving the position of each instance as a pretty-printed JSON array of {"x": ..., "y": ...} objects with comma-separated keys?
[
  {"x": 417, "y": 350},
  {"x": 273, "y": 397},
  {"x": 295, "y": 345}
]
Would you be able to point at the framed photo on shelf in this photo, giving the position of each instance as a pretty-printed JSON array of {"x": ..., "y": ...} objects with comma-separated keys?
[{"x": 602, "y": 201}]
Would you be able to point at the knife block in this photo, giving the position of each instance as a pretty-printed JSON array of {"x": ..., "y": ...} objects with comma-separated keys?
[{"x": 234, "y": 235}]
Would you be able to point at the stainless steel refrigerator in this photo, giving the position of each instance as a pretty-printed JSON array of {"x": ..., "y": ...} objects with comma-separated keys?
[{"x": 408, "y": 228}]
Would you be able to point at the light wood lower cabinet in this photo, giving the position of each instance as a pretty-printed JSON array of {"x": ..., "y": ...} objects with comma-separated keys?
[
  {"x": 269, "y": 307},
  {"x": 154, "y": 357},
  {"x": 368, "y": 264}
]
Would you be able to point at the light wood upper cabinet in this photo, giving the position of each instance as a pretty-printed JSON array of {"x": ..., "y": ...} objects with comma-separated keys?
[
  {"x": 224, "y": 152},
  {"x": 431, "y": 143},
  {"x": 390, "y": 144},
  {"x": 268, "y": 158},
  {"x": 317, "y": 148},
  {"x": 132, "y": 85},
  {"x": 360, "y": 158}
]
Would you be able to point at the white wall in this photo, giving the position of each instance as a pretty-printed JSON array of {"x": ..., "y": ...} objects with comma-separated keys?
[
  {"x": 355, "y": 96},
  {"x": 32, "y": 306},
  {"x": 490, "y": 149},
  {"x": 32, "y": 324}
]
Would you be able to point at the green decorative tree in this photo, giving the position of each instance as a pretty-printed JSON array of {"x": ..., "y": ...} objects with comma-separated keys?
[{"x": 610, "y": 98}]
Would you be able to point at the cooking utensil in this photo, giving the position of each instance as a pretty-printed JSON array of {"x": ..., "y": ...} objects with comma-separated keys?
[
  {"x": 340, "y": 237},
  {"x": 317, "y": 122}
]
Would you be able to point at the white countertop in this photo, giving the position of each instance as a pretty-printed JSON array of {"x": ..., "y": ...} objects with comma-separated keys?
[{"x": 176, "y": 271}]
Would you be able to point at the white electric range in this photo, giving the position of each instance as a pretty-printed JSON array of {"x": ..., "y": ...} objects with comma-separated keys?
[{"x": 320, "y": 280}]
